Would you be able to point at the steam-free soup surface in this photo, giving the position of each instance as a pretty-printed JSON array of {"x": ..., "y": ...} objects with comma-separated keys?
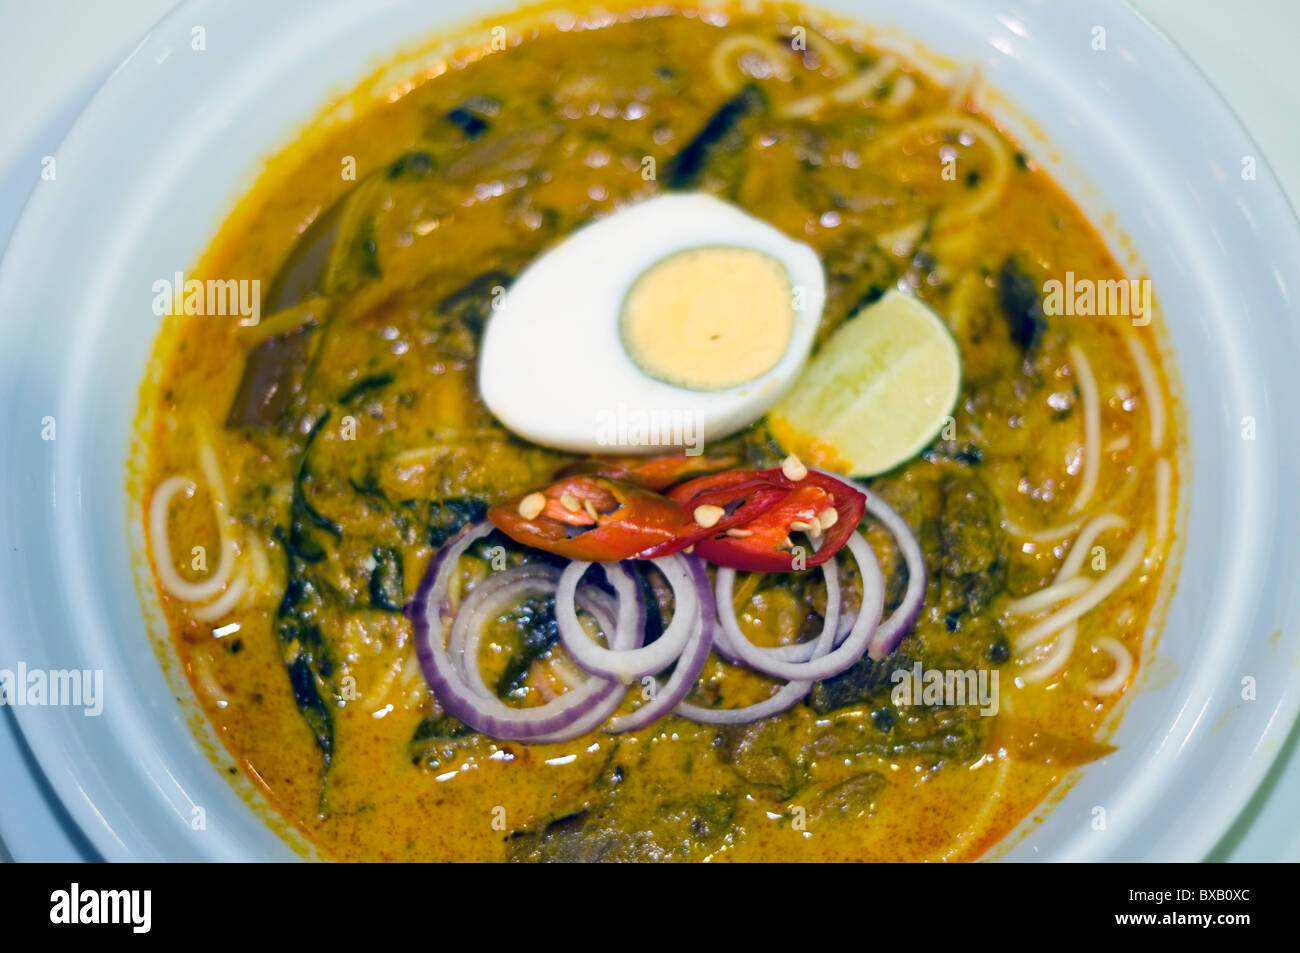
[{"x": 338, "y": 443}]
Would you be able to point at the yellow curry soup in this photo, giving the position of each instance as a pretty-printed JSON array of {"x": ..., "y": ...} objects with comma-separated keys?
[{"x": 329, "y": 493}]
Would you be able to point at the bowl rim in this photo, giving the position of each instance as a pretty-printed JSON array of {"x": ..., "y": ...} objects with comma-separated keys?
[{"x": 73, "y": 784}]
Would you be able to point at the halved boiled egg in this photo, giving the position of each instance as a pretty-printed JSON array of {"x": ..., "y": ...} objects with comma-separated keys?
[{"x": 671, "y": 323}]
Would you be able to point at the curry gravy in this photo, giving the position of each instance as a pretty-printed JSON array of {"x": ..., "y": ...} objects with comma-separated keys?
[{"x": 522, "y": 146}]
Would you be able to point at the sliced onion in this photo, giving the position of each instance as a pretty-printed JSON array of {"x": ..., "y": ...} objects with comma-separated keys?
[
  {"x": 689, "y": 664},
  {"x": 833, "y": 620},
  {"x": 900, "y": 622},
  {"x": 487, "y": 600},
  {"x": 837, "y": 660},
  {"x": 494, "y": 595},
  {"x": 791, "y": 692},
  {"x": 629, "y": 638},
  {"x": 701, "y": 623},
  {"x": 801, "y": 651},
  {"x": 556, "y": 720},
  {"x": 722, "y": 641},
  {"x": 627, "y": 665}
]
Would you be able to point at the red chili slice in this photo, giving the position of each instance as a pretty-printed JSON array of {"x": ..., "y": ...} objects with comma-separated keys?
[
  {"x": 740, "y": 501},
  {"x": 652, "y": 473},
  {"x": 605, "y": 519},
  {"x": 601, "y": 518},
  {"x": 765, "y": 544}
]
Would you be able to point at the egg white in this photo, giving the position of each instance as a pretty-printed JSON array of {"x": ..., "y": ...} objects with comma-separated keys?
[{"x": 553, "y": 367}]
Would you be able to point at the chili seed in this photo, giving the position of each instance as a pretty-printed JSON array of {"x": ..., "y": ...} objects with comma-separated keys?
[
  {"x": 708, "y": 515},
  {"x": 793, "y": 468},
  {"x": 531, "y": 506}
]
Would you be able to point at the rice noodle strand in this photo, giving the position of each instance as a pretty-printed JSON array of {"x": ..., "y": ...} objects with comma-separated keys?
[
  {"x": 1090, "y": 599},
  {"x": 224, "y": 604},
  {"x": 1091, "y": 427},
  {"x": 1055, "y": 660},
  {"x": 1164, "y": 499},
  {"x": 162, "y": 551},
  {"x": 1150, "y": 390},
  {"x": 1123, "y": 666},
  {"x": 1073, "y": 563},
  {"x": 991, "y": 184},
  {"x": 1048, "y": 596}
]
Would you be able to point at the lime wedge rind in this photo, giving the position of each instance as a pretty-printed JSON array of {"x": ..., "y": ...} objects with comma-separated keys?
[{"x": 878, "y": 391}]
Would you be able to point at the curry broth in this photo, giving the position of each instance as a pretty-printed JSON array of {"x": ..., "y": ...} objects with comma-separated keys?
[{"x": 567, "y": 119}]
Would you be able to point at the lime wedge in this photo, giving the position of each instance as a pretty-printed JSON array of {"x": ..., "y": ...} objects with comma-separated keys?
[{"x": 876, "y": 394}]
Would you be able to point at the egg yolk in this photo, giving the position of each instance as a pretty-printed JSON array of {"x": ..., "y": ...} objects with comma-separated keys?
[{"x": 709, "y": 318}]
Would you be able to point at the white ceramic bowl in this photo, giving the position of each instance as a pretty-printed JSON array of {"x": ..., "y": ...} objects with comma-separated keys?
[{"x": 176, "y": 136}]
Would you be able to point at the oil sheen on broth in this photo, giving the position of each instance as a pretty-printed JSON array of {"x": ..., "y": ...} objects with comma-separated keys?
[{"x": 321, "y": 498}]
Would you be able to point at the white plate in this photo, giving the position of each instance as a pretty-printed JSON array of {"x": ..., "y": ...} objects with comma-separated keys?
[{"x": 175, "y": 138}]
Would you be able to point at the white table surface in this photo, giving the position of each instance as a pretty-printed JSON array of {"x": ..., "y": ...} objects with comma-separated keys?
[{"x": 55, "y": 53}]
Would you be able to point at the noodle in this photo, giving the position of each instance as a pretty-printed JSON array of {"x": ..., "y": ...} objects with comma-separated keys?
[
  {"x": 207, "y": 682},
  {"x": 225, "y": 603},
  {"x": 1164, "y": 491},
  {"x": 985, "y": 814},
  {"x": 216, "y": 484},
  {"x": 412, "y": 675},
  {"x": 802, "y": 107},
  {"x": 724, "y": 54},
  {"x": 257, "y": 556},
  {"x": 1067, "y": 584},
  {"x": 1048, "y": 596},
  {"x": 1079, "y": 551},
  {"x": 963, "y": 86},
  {"x": 1049, "y": 535},
  {"x": 866, "y": 81},
  {"x": 724, "y": 59},
  {"x": 902, "y": 241},
  {"x": 1053, "y": 533},
  {"x": 1094, "y": 597},
  {"x": 167, "y": 574},
  {"x": 540, "y": 682},
  {"x": 1151, "y": 389},
  {"x": 1055, "y": 660},
  {"x": 1123, "y": 666},
  {"x": 828, "y": 51},
  {"x": 451, "y": 440},
  {"x": 385, "y": 685},
  {"x": 900, "y": 95},
  {"x": 565, "y": 670},
  {"x": 1091, "y": 425},
  {"x": 991, "y": 185}
]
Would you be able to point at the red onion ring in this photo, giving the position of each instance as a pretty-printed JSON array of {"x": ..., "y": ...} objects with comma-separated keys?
[
  {"x": 557, "y": 720},
  {"x": 701, "y": 623},
  {"x": 623, "y": 639},
  {"x": 901, "y": 620},
  {"x": 628, "y": 665},
  {"x": 837, "y": 660},
  {"x": 486, "y": 601},
  {"x": 689, "y": 664},
  {"x": 833, "y": 619},
  {"x": 492, "y": 596},
  {"x": 789, "y": 694}
]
